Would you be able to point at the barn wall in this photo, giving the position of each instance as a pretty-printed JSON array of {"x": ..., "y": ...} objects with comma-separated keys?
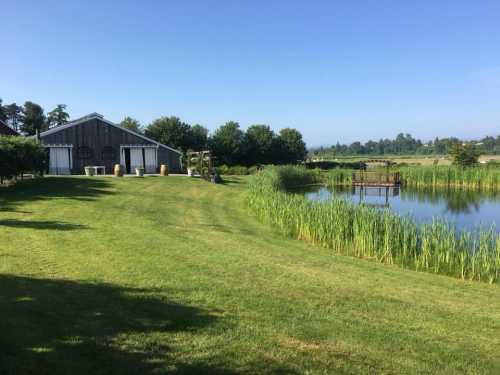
[
  {"x": 100, "y": 136},
  {"x": 170, "y": 158}
]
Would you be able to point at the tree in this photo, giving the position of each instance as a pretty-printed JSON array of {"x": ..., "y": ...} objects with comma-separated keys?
[
  {"x": 290, "y": 146},
  {"x": 356, "y": 148},
  {"x": 199, "y": 138},
  {"x": 489, "y": 144},
  {"x": 19, "y": 155},
  {"x": 258, "y": 145},
  {"x": 131, "y": 124},
  {"x": 3, "y": 114},
  {"x": 227, "y": 143},
  {"x": 13, "y": 114},
  {"x": 170, "y": 131},
  {"x": 33, "y": 119},
  {"x": 464, "y": 155},
  {"x": 58, "y": 116}
]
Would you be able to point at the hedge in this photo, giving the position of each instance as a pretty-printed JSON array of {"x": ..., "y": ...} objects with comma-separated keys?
[{"x": 19, "y": 156}]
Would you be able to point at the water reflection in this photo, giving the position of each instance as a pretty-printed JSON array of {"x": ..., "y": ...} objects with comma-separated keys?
[
  {"x": 466, "y": 209},
  {"x": 456, "y": 201}
]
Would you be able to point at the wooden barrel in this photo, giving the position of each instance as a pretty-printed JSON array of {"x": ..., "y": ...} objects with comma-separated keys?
[
  {"x": 118, "y": 172},
  {"x": 163, "y": 170}
]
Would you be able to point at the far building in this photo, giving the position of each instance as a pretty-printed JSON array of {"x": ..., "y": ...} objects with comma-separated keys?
[{"x": 95, "y": 141}]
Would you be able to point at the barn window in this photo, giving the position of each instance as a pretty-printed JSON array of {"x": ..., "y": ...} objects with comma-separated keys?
[
  {"x": 84, "y": 152},
  {"x": 108, "y": 153}
]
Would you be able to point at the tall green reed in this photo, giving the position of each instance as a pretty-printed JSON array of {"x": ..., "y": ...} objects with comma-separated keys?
[
  {"x": 476, "y": 178},
  {"x": 368, "y": 232}
]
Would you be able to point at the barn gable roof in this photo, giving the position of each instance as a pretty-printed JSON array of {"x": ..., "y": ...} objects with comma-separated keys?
[
  {"x": 100, "y": 117},
  {"x": 6, "y": 129}
]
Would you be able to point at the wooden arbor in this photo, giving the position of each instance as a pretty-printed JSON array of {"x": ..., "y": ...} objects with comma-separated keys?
[{"x": 201, "y": 162}]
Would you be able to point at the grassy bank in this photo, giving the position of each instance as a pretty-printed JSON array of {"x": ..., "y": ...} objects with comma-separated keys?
[
  {"x": 366, "y": 232},
  {"x": 173, "y": 275}
]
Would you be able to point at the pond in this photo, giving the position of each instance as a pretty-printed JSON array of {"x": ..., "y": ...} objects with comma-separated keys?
[{"x": 467, "y": 210}]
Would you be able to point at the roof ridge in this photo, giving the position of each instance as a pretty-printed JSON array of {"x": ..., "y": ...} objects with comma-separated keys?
[
  {"x": 101, "y": 117},
  {"x": 90, "y": 115}
]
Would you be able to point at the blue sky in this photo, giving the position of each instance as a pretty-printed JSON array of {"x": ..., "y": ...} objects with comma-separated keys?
[{"x": 336, "y": 70}]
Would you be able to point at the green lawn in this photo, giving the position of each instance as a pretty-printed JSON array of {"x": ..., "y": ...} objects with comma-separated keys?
[{"x": 175, "y": 275}]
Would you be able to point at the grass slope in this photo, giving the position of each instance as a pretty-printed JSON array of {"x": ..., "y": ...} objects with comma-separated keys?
[{"x": 173, "y": 275}]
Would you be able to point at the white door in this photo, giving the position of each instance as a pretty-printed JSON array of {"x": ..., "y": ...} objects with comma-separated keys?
[
  {"x": 151, "y": 160},
  {"x": 60, "y": 160},
  {"x": 136, "y": 160}
]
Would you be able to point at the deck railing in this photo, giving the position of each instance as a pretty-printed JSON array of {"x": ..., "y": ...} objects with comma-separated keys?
[{"x": 375, "y": 178}]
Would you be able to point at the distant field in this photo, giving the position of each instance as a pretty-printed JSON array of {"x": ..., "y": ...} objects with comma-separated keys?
[
  {"x": 175, "y": 275},
  {"x": 410, "y": 159}
]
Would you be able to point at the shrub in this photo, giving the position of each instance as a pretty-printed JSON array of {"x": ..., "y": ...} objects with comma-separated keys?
[
  {"x": 236, "y": 170},
  {"x": 464, "y": 155},
  {"x": 19, "y": 156}
]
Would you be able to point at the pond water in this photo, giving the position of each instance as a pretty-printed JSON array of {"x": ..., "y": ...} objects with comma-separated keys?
[{"x": 467, "y": 210}]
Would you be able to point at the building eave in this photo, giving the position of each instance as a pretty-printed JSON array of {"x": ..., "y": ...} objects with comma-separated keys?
[{"x": 96, "y": 116}]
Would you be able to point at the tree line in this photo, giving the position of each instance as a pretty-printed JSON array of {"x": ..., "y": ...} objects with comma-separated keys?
[
  {"x": 30, "y": 117},
  {"x": 231, "y": 145},
  {"x": 406, "y": 144}
]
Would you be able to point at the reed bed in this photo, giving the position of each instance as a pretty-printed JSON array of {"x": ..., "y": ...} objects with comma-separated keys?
[
  {"x": 339, "y": 177},
  {"x": 367, "y": 232},
  {"x": 476, "y": 178}
]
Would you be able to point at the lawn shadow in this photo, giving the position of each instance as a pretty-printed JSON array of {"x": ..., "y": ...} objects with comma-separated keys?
[
  {"x": 76, "y": 188},
  {"x": 43, "y": 225},
  {"x": 65, "y": 327},
  {"x": 230, "y": 180},
  {"x": 53, "y": 326}
]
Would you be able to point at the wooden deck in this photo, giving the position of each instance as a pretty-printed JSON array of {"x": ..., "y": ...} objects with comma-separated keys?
[{"x": 375, "y": 178}]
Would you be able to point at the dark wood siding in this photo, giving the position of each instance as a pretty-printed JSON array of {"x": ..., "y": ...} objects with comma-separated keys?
[
  {"x": 169, "y": 158},
  {"x": 100, "y": 138}
]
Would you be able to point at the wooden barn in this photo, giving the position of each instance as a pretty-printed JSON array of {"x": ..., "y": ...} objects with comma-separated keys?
[
  {"x": 6, "y": 130},
  {"x": 95, "y": 141}
]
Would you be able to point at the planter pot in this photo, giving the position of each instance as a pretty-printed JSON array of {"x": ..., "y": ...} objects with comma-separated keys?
[
  {"x": 118, "y": 171},
  {"x": 89, "y": 171},
  {"x": 163, "y": 170},
  {"x": 139, "y": 172}
]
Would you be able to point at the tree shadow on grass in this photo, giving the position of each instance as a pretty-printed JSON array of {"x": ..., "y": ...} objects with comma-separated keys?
[
  {"x": 51, "y": 326},
  {"x": 75, "y": 188},
  {"x": 228, "y": 180},
  {"x": 43, "y": 225},
  {"x": 66, "y": 327}
]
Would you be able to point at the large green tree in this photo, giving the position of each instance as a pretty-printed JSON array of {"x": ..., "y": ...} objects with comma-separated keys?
[
  {"x": 170, "y": 131},
  {"x": 259, "y": 141},
  {"x": 3, "y": 114},
  {"x": 58, "y": 116},
  {"x": 13, "y": 114},
  {"x": 33, "y": 119},
  {"x": 199, "y": 138},
  {"x": 131, "y": 124},
  {"x": 290, "y": 147},
  {"x": 227, "y": 143}
]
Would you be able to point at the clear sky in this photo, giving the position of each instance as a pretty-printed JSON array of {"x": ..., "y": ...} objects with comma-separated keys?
[{"x": 336, "y": 70}]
